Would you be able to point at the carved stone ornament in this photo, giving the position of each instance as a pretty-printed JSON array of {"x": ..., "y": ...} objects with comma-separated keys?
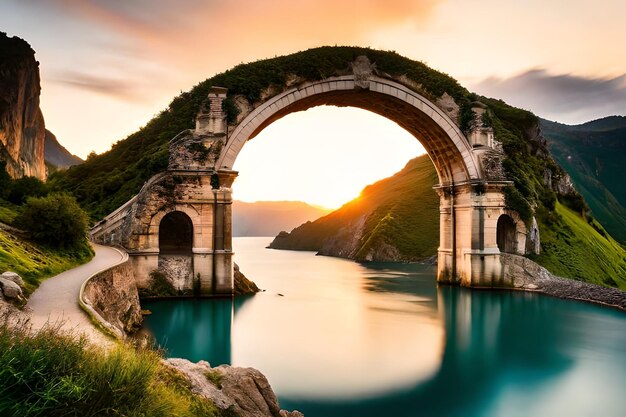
[{"x": 362, "y": 69}]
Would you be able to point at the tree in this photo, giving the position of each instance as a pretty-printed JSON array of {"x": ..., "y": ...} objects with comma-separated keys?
[
  {"x": 5, "y": 180},
  {"x": 56, "y": 220},
  {"x": 22, "y": 188}
]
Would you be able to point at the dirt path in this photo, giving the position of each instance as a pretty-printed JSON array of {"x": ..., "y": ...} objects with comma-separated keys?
[{"x": 56, "y": 299}]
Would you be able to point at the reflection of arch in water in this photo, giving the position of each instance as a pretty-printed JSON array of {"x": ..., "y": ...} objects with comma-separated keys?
[{"x": 196, "y": 329}]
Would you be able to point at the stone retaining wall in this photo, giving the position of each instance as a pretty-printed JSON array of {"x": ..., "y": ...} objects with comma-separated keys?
[{"x": 110, "y": 297}]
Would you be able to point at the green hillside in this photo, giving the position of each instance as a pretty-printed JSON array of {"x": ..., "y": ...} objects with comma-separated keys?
[
  {"x": 31, "y": 260},
  {"x": 106, "y": 181},
  {"x": 574, "y": 248},
  {"x": 593, "y": 155},
  {"x": 400, "y": 211}
]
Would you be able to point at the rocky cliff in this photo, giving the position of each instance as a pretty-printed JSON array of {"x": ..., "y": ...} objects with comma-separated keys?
[
  {"x": 22, "y": 129},
  {"x": 234, "y": 391}
]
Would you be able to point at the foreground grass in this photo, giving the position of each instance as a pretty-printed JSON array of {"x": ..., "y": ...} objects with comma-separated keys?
[
  {"x": 574, "y": 248},
  {"x": 48, "y": 373},
  {"x": 35, "y": 262}
]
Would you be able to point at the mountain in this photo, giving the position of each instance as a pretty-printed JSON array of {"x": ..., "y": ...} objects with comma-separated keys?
[
  {"x": 267, "y": 218},
  {"x": 395, "y": 219},
  {"x": 57, "y": 155},
  {"x": 22, "y": 128},
  {"x": 593, "y": 155},
  {"x": 539, "y": 189}
]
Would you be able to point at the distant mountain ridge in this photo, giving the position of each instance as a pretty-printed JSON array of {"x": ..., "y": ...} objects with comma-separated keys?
[
  {"x": 268, "y": 218},
  {"x": 593, "y": 155},
  {"x": 57, "y": 155},
  {"x": 394, "y": 219}
]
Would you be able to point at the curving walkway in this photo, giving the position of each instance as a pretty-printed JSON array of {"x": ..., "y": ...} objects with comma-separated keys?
[{"x": 56, "y": 299}]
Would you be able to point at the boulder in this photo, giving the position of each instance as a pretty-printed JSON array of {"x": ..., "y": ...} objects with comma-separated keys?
[
  {"x": 13, "y": 276},
  {"x": 244, "y": 391},
  {"x": 242, "y": 285},
  {"x": 11, "y": 290}
]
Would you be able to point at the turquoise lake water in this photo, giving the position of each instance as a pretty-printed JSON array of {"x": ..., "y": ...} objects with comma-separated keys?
[{"x": 338, "y": 338}]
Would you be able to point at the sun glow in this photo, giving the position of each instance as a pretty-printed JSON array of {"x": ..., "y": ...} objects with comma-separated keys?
[{"x": 323, "y": 156}]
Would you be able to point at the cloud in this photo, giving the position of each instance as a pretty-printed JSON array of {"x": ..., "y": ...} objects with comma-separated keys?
[
  {"x": 562, "y": 97},
  {"x": 117, "y": 88},
  {"x": 192, "y": 32}
]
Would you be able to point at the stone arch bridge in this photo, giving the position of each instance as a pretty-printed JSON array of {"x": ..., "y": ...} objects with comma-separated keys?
[{"x": 180, "y": 221}]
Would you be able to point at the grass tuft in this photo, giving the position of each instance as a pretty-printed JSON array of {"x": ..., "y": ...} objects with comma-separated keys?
[{"x": 49, "y": 373}]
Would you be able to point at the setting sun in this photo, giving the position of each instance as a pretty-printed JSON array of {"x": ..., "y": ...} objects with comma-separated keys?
[{"x": 323, "y": 156}]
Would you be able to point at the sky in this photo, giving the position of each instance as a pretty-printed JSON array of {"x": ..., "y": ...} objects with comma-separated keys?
[{"x": 109, "y": 66}]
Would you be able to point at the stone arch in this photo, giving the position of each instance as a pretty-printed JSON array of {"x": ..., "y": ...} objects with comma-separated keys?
[
  {"x": 505, "y": 234},
  {"x": 175, "y": 234},
  {"x": 511, "y": 233},
  {"x": 446, "y": 145},
  {"x": 155, "y": 222},
  {"x": 175, "y": 260}
]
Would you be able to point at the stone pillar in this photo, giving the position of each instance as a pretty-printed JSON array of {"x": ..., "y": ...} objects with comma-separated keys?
[
  {"x": 481, "y": 263},
  {"x": 217, "y": 274},
  {"x": 445, "y": 264},
  {"x": 211, "y": 119},
  {"x": 468, "y": 251}
]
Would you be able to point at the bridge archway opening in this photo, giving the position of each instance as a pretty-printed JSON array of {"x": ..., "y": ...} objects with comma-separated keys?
[
  {"x": 175, "y": 234},
  {"x": 446, "y": 145},
  {"x": 333, "y": 153},
  {"x": 506, "y": 234}
]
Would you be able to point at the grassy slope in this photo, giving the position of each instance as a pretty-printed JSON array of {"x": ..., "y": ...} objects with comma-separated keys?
[
  {"x": 573, "y": 248},
  {"x": 401, "y": 210},
  {"x": 593, "y": 154},
  {"x": 31, "y": 261},
  {"x": 50, "y": 373}
]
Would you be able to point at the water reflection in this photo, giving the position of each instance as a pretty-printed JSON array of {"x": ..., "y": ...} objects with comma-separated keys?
[
  {"x": 372, "y": 340},
  {"x": 194, "y": 329}
]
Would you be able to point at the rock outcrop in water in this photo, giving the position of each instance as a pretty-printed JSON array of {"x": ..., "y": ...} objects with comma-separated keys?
[
  {"x": 22, "y": 128},
  {"x": 242, "y": 285}
]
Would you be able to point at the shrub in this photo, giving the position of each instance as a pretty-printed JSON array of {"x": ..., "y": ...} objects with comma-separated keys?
[
  {"x": 159, "y": 286},
  {"x": 55, "y": 220},
  {"x": 23, "y": 188},
  {"x": 516, "y": 201}
]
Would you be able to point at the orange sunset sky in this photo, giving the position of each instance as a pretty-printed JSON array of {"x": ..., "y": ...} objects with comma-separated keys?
[{"x": 108, "y": 66}]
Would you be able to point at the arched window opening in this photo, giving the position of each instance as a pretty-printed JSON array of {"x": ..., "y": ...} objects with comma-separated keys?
[
  {"x": 175, "y": 234},
  {"x": 506, "y": 234}
]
